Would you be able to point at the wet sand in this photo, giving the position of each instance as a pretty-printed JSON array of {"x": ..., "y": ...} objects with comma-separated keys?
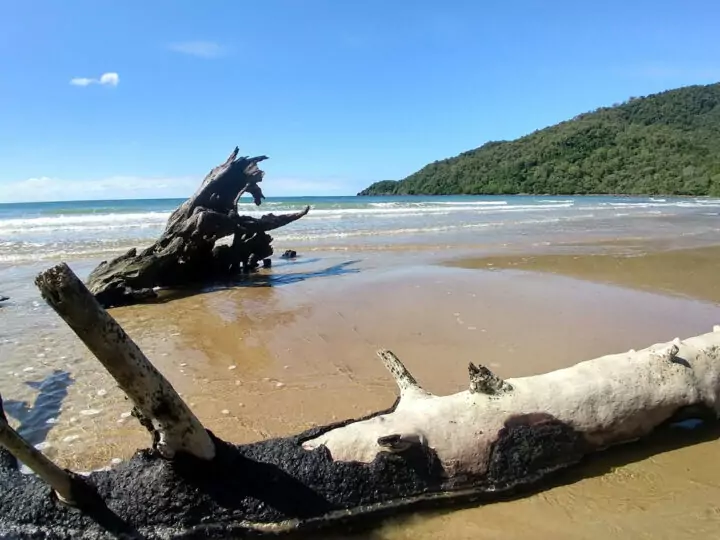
[
  {"x": 693, "y": 272},
  {"x": 296, "y": 347}
]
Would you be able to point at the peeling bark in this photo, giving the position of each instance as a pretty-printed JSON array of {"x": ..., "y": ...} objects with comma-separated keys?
[
  {"x": 493, "y": 439},
  {"x": 187, "y": 252}
]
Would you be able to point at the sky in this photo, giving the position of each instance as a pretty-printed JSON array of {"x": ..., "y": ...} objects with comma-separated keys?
[{"x": 103, "y": 99}]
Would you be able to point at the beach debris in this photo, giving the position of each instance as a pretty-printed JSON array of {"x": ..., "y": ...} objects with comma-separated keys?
[
  {"x": 289, "y": 254},
  {"x": 485, "y": 442},
  {"x": 188, "y": 252}
]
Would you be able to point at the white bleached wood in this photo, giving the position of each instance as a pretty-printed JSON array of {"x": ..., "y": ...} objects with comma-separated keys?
[
  {"x": 409, "y": 388},
  {"x": 611, "y": 399}
]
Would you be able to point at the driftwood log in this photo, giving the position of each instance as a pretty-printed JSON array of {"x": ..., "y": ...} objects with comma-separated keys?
[
  {"x": 496, "y": 437},
  {"x": 188, "y": 252}
]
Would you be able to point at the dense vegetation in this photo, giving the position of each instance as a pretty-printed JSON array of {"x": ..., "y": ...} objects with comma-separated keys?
[{"x": 666, "y": 143}]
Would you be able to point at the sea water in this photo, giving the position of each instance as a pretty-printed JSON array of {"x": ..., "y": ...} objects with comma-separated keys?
[{"x": 82, "y": 229}]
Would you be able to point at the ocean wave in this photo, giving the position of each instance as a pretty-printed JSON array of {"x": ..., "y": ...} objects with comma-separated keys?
[
  {"x": 472, "y": 203},
  {"x": 406, "y": 204},
  {"x": 664, "y": 203},
  {"x": 101, "y": 222}
]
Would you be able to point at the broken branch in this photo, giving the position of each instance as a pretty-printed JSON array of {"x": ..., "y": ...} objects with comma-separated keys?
[
  {"x": 407, "y": 384},
  {"x": 58, "y": 479},
  {"x": 177, "y": 428},
  {"x": 485, "y": 381}
]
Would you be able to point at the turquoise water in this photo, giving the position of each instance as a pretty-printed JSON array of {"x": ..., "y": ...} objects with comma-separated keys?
[{"x": 40, "y": 231}]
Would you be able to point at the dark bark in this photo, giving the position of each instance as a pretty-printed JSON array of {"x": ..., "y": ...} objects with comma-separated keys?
[{"x": 187, "y": 252}]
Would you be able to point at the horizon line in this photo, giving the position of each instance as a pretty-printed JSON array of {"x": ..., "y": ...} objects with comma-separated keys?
[{"x": 165, "y": 199}]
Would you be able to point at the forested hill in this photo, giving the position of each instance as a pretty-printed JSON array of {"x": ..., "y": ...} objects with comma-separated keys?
[{"x": 666, "y": 143}]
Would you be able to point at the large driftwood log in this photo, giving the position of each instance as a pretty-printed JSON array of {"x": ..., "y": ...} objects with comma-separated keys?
[
  {"x": 187, "y": 252},
  {"x": 497, "y": 437}
]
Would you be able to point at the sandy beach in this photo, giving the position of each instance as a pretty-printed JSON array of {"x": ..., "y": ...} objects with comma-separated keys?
[{"x": 295, "y": 346}]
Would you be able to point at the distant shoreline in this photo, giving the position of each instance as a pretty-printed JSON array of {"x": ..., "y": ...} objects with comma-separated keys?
[{"x": 616, "y": 195}]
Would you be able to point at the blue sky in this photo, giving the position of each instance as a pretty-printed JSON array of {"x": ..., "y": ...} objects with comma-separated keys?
[{"x": 103, "y": 99}]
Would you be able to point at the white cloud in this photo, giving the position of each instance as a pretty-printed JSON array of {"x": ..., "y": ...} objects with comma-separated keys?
[
  {"x": 111, "y": 79},
  {"x": 106, "y": 79},
  {"x": 201, "y": 49},
  {"x": 115, "y": 187},
  {"x": 82, "y": 81},
  {"x": 136, "y": 187}
]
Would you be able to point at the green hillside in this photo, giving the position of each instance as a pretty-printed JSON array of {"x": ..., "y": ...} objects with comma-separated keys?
[{"x": 666, "y": 143}]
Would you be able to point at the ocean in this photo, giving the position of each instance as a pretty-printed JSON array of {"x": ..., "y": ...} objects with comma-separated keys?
[{"x": 89, "y": 229}]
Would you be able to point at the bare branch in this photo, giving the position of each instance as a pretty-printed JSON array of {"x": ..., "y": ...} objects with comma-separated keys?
[
  {"x": 60, "y": 480},
  {"x": 404, "y": 379},
  {"x": 177, "y": 427}
]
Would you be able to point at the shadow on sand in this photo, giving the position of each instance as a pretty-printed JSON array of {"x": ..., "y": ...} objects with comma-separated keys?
[
  {"x": 36, "y": 421},
  {"x": 266, "y": 278}
]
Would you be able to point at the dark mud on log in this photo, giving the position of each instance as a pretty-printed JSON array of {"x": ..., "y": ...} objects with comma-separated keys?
[
  {"x": 275, "y": 486},
  {"x": 188, "y": 251}
]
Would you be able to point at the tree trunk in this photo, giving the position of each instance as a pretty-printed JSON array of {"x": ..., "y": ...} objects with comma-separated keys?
[
  {"x": 495, "y": 438},
  {"x": 187, "y": 252}
]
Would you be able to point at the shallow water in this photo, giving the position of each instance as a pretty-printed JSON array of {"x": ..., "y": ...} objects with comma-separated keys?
[{"x": 46, "y": 231}]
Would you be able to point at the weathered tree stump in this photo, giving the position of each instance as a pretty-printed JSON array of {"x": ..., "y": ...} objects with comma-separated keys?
[{"x": 188, "y": 252}]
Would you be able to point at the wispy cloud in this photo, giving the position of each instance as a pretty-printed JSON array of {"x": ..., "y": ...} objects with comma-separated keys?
[
  {"x": 199, "y": 48},
  {"x": 46, "y": 188},
  {"x": 106, "y": 79}
]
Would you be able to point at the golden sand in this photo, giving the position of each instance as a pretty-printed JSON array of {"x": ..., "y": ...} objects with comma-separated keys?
[{"x": 262, "y": 361}]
